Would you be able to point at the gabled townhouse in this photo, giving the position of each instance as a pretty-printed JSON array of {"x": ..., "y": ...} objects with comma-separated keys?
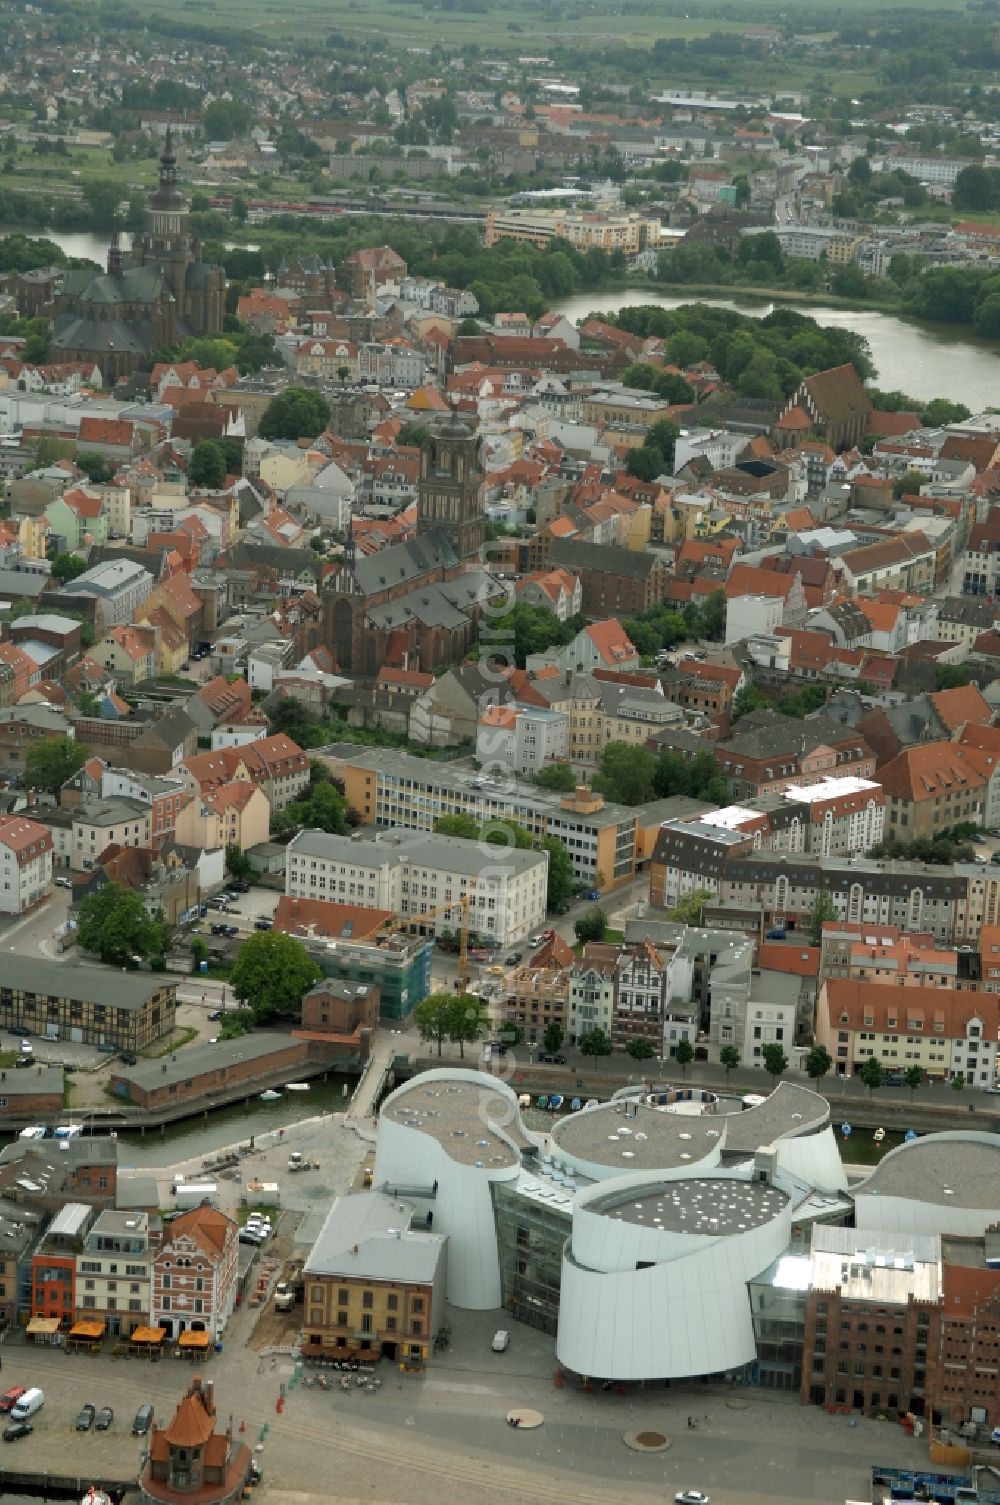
[
  {"x": 236, "y": 814},
  {"x": 194, "y": 1274},
  {"x": 945, "y": 1031},
  {"x": 128, "y": 653}
]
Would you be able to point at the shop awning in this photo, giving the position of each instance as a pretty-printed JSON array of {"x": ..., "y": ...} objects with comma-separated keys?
[
  {"x": 42, "y": 1327},
  {"x": 87, "y": 1329},
  {"x": 193, "y": 1340},
  {"x": 147, "y": 1335}
]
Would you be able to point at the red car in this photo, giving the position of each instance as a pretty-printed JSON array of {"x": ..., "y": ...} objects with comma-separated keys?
[{"x": 10, "y": 1397}]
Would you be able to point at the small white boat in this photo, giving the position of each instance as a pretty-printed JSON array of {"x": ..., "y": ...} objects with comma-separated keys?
[
  {"x": 270, "y": 1096},
  {"x": 67, "y": 1131},
  {"x": 296, "y": 1086},
  {"x": 36, "y": 1131}
]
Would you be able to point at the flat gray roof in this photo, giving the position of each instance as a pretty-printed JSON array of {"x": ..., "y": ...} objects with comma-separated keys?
[
  {"x": 704, "y": 1205},
  {"x": 197, "y": 1059},
  {"x": 451, "y": 854},
  {"x": 108, "y": 985},
  {"x": 368, "y": 1235},
  {"x": 27, "y": 1083},
  {"x": 946, "y": 1171},
  {"x": 459, "y": 1115},
  {"x": 637, "y": 1137},
  {"x": 790, "y": 1109},
  {"x": 461, "y": 779}
]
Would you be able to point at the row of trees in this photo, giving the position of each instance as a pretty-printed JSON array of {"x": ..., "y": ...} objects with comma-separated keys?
[{"x": 630, "y": 775}]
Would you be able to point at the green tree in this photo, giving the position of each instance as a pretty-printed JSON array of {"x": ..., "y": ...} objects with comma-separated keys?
[
  {"x": 590, "y": 926},
  {"x": 625, "y": 774},
  {"x": 558, "y": 776},
  {"x": 323, "y": 809},
  {"x": 296, "y": 413},
  {"x": 466, "y": 1021},
  {"x": 951, "y": 676},
  {"x": 595, "y": 1042},
  {"x": 457, "y": 825},
  {"x": 908, "y": 484},
  {"x": 561, "y": 878},
  {"x": 913, "y": 1076},
  {"x": 729, "y": 1057},
  {"x": 238, "y": 864},
  {"x": 687, "y": 911},
  {"x": 958, "y": 1082},
  {"x": 207, "y": 467},
  {"x": 116, "y": 925},
  {"x": 433, "y": 1018},
  {"x": 553, "y": 1036},
  {"x": 684, "y": 1055},
  {"x": 66, "y": 567},
  {"x": 640, "y": 1049},
  {"x": 48, "y": 764},
  {"x": 872, "y": 1074},
  {"x": 296, "y": 720},
  {"x": 821, "y": 911},
  {"x": 775, "y": 1060},
  {"x": 818, "y": 1063},
  {"x": 236, "y": 1022},
  {"x": 272, "y": 973},
  {"x": 96, "y": 468}
]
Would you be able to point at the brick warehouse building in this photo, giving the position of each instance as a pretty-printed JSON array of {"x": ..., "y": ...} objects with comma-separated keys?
[{"x": 128, "y": 1010}]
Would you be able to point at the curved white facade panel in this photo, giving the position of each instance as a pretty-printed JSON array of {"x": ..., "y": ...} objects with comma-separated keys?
[
  {"x": 815, "y": 1159},
  {"x": 686, "y": 1314},
  {"x": 413, "y": 1156}
]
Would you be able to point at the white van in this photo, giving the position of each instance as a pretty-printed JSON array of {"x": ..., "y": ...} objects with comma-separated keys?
[{"x": 31, "y": 1402}]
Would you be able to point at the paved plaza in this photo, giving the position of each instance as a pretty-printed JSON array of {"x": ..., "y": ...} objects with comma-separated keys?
[{"x": 430, "y": 1440}]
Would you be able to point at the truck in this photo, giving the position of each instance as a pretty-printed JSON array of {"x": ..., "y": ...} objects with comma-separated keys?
[
  {"x": 296, "y": 1161},
  {"x": 193, "y": 1193},
  {"x": 284, "y": 1296}
]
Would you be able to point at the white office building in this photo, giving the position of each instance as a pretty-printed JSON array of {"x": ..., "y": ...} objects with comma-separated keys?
[{"x": 414, "y": 874}]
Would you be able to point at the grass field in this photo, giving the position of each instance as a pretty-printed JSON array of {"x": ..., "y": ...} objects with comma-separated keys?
[{"x": 520, "y": 26}]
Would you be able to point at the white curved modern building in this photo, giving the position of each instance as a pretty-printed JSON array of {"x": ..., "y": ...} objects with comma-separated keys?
[
  {"x": 945, "y": 1183},
  {"x": 631, "y": 1230},
  {"x": 443, "y": 1140}
]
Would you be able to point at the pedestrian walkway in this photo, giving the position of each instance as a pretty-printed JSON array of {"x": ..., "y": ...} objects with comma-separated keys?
[{"x": 361, "y": 1110}]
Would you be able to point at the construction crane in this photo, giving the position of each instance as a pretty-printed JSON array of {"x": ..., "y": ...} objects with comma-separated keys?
[{"x": 406, "y": 922}]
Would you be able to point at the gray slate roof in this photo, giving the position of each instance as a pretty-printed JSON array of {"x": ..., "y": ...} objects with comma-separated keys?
[{"x": 378, "y": 1227}]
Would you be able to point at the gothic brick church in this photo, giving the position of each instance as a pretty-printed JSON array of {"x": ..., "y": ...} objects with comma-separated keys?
[
  {"x": 153, "y": 296},
  {"x": 417, "y": 605}
]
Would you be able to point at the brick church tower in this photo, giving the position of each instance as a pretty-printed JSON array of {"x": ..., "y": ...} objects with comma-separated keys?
[{"x": 451, "y": 487}]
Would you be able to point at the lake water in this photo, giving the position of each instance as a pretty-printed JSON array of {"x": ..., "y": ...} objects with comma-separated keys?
[
  {"x": 924, "y": 360},
  {"x": 93, "y": 247}
]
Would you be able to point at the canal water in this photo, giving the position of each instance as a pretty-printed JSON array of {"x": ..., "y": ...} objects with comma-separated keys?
[{"x": 192, "y": 1136}]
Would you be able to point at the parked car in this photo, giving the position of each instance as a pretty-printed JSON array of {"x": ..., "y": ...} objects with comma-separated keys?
[
  {"x": 240, "y": 885},
  {"x": 230, "y": 931},
  {"x": 513, "y": 959},
  {"x": 536, "y": 941},
  {"x": 263, "y": 924},
  {"x": 17, "y": 1430},
  {"x": 218, "y": 929},
  {"x": 215, "y": 1014},
  {"x": 501, "y": 1340},
  {"x": 553, "y": 1058},
  {"x": 62, "y": 883},
  {"x": 29, "y": 1404},
  {"x": 105, "y": 1417},
  {"x": 10, "y": 1397},
  {"x": 593, "y": 894},
  {"x": 691, "y": 1497},
  {"x": 24, "y": 1061},
  {"x": 127, "y": 1058},
  {"x": 85, "y": 1420},
  {"x": 143, "y": 1420}
]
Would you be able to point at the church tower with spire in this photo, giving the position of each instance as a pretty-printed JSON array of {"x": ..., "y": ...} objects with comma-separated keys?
[{"x": 168, "y": 245}]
